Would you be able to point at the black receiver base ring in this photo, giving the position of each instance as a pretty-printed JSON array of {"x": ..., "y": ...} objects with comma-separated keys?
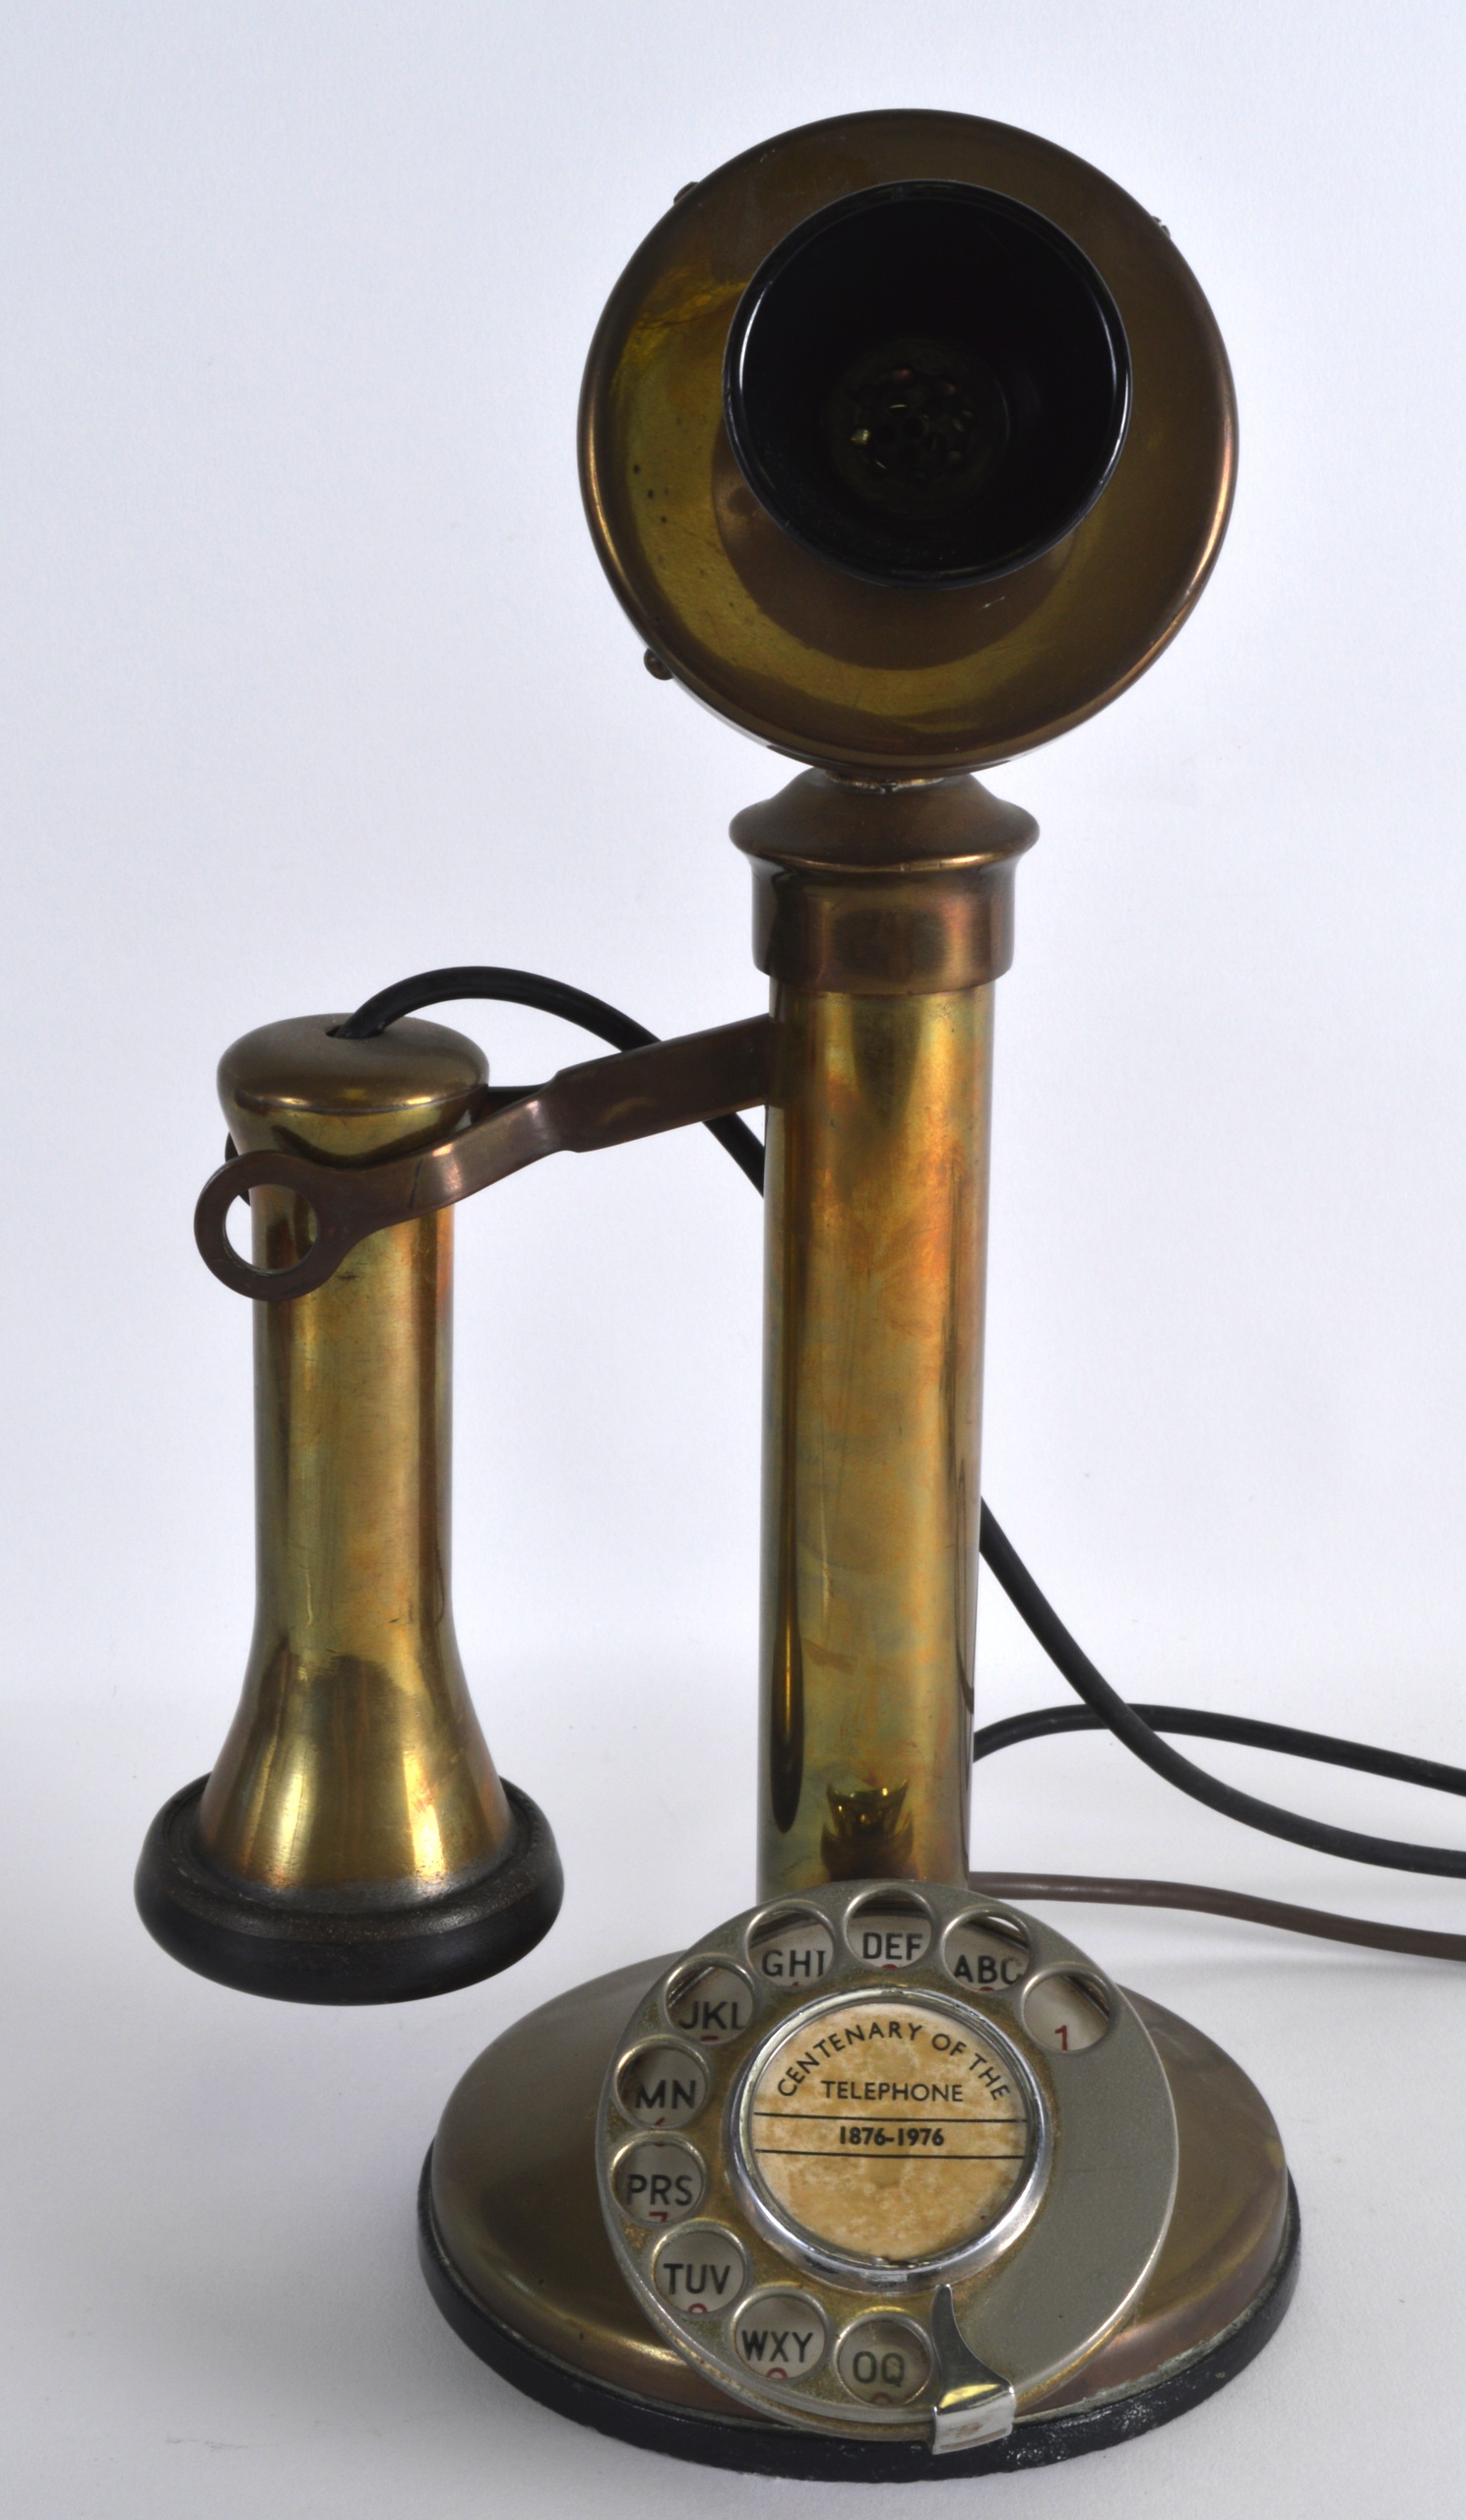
[
  {"x": 771, "y": 2450},
  {"x": 261, "y": 1945}
]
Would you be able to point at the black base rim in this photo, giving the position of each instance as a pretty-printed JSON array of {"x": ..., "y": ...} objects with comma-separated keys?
[
  {"x": 770, "y": 2450},
  {"x": 261, "y": 1945}
]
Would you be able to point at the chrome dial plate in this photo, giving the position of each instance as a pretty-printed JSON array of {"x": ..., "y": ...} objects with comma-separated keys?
[{"x": 886, "y": 2155}]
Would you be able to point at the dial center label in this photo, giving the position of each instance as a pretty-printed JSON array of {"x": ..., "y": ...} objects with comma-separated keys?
[{"x": 889, "y": 2131}]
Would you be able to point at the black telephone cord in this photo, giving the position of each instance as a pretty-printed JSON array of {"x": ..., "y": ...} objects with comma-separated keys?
[
  {"x": 552, "y": 997},
  {"x": 1139, "y": 1728}
]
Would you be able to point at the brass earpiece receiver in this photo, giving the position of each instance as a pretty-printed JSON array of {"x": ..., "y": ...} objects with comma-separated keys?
[{"x": 352, "y": 1843}]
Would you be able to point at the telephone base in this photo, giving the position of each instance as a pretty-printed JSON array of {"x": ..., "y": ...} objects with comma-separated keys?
[{"x": 516, "y": 2256}]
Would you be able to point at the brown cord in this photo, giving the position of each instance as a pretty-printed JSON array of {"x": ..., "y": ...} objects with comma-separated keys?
[{"x": 1319, "y": 1921}]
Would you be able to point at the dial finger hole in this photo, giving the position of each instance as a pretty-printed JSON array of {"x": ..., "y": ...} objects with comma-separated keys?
[
  {"x": 883, "y": 2360},
  {"x": 888, "y": 1931},
  {"x": 1066, "y": 2011},
  {"x": 662, "y": 2085},
  {"x": 700, "y": 2270},
  {"x": 709, "y": 2002},
  {"x": 792, "y": 1947},
  {"x": 986, "y": 1953},
  {"x": 782, "y": 2336},
  {"x": 659, "y": 2181}
]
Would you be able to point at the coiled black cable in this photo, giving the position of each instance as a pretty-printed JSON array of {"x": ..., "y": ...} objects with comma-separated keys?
[{"x": 1139, "y": 1728}]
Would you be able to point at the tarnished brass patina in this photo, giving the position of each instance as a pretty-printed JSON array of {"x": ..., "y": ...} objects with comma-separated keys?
[
  {"x": 794, "y": 650},
  {"x": 883, "y": 916},
  {"x": 875, "y": 1241}
]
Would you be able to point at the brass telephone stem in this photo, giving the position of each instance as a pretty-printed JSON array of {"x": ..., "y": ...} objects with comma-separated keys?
[{"x": 883, "y": 916}]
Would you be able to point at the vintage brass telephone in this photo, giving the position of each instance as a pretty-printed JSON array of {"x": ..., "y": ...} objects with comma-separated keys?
[{"x": 908, "y": 442}]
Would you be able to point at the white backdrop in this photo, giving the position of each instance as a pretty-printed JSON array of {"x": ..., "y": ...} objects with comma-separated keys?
[{"x": 311, "y": 678}]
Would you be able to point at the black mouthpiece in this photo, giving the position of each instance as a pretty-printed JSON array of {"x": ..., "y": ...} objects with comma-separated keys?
[{"x": 926, "y": 384}]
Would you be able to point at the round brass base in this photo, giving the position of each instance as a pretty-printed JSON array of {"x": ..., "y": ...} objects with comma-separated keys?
[{"x": 517, "y": 2257}]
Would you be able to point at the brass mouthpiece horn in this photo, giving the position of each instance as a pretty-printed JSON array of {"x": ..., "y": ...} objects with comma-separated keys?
[
  {"x": 354, "y": 1843},
  {"x": 906, "y": 441}
]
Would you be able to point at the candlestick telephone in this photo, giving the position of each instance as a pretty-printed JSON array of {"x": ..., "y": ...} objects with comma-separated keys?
[{"x": 908, "y": 441}]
